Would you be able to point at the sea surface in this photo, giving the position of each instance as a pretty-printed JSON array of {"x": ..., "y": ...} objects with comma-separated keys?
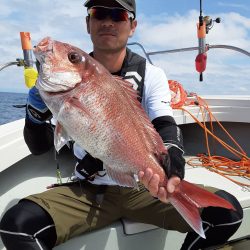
[{"x": 8, "y": 111}]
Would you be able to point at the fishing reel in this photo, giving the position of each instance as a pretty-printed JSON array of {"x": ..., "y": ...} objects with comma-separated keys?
[{"x": 210, "y": 22}]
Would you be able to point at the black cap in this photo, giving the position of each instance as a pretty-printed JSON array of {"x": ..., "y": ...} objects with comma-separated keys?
[{"x": 126, "y": 4}]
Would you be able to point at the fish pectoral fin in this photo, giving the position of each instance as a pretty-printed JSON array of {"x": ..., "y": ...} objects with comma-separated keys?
[
  {"x": 123, "y": 178},
  {"x": 60, "y": 137},
  {"x": 76, "y": 103}
]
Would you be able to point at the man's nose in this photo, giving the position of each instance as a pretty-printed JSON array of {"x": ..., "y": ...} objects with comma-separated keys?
[{"x": 107, "y": 21}]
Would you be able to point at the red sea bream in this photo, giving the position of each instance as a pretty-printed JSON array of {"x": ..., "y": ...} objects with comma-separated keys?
[{"x": 102, "y": 114}]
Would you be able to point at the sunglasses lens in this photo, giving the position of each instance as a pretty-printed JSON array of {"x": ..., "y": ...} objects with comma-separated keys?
[
  {"x": 117, "y": 15},
  {"x": 97, "y": 13}
]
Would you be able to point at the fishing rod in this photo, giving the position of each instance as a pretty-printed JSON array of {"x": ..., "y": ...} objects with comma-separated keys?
[
  {"x": 201, "y": 58},
  {"x": 3, "y": 66},
  {"x": 204, "y": 25},
  {"x": 30, "y": 73}
]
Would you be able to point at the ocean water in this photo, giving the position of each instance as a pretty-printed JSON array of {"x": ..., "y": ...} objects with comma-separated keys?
[{"x": 8, "y": 112}]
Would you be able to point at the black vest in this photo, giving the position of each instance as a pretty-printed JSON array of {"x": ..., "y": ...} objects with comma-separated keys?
[{"x": 133, "y": 70}]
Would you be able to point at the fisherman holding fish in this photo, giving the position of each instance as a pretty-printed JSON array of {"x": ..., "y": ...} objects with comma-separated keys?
[{"x": 128, "y": 147}]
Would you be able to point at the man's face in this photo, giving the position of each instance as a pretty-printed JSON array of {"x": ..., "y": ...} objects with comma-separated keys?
[{"x": 109, "y": 35}]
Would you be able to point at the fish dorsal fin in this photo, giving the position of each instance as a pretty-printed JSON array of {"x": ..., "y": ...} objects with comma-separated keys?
[
  {"x": 128, "y": 87},
  {"x": 149, "y": 135}
]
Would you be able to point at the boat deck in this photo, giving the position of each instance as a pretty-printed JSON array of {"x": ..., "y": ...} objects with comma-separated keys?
[{"x": 22, "y": 174}]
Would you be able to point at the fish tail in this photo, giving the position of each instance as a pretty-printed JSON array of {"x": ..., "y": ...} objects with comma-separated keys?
[{"x": 190, "y": 198}]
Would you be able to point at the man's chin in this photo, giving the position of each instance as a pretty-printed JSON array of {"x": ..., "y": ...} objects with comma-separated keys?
[{"x": 110, "y": 47}]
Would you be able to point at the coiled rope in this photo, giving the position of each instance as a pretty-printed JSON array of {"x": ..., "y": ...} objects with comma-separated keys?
[{"x": 219, "y": 164}]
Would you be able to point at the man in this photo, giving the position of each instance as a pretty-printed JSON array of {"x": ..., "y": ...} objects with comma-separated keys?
[{"x": 93, "y": 200}]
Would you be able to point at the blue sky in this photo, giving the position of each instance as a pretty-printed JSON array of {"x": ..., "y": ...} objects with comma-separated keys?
[{"x": 162, "y": 25}]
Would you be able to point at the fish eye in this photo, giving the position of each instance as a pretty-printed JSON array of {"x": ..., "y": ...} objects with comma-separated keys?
[{"x": 74, "y": 57}]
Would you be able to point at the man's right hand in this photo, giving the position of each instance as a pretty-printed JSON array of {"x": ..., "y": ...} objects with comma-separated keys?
[
  {"x": 37, "y": 111},
  {"x": 151, "y": 182}
]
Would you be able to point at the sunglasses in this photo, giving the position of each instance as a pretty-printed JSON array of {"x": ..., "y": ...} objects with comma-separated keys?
[{"x": 116, "y": 14}]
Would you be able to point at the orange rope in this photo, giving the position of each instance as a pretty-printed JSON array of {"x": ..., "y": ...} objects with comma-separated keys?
[
  {"x": 218, "y": 164},
  {"x": 178, "y": 94}
]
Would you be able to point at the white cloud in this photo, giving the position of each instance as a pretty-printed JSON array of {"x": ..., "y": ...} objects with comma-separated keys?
[
  {"x": 227, "y": 72},
  {"x": 5, "y": 10},
  {"x": 180, "y": 31},
  {"x": 170, "y": 32}
]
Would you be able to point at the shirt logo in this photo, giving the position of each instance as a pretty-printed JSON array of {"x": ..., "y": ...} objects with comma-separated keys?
[{"x": 134, "y": 78}]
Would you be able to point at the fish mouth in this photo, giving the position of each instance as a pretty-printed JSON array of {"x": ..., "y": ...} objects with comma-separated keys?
[
  {"x": 43, "y": 52},
  {"x": 44, "y": 49},
  {"x": 44, "y": 46}
]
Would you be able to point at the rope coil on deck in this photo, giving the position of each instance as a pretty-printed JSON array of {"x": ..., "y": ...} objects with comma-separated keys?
[{"x": 219, "y": 164}]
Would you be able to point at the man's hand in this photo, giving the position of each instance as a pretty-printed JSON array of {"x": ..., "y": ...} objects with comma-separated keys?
[
  {"x": 174, "y": 164},
  {"x": 151, "y": 182},
  {"x": 37, "y": 110}
]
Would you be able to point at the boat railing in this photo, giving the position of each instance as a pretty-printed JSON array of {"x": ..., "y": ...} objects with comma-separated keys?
[{"x": 208, "y": 47}]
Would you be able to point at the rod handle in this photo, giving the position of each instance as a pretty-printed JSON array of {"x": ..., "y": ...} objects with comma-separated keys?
[{"x": 26, "y": 40}]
